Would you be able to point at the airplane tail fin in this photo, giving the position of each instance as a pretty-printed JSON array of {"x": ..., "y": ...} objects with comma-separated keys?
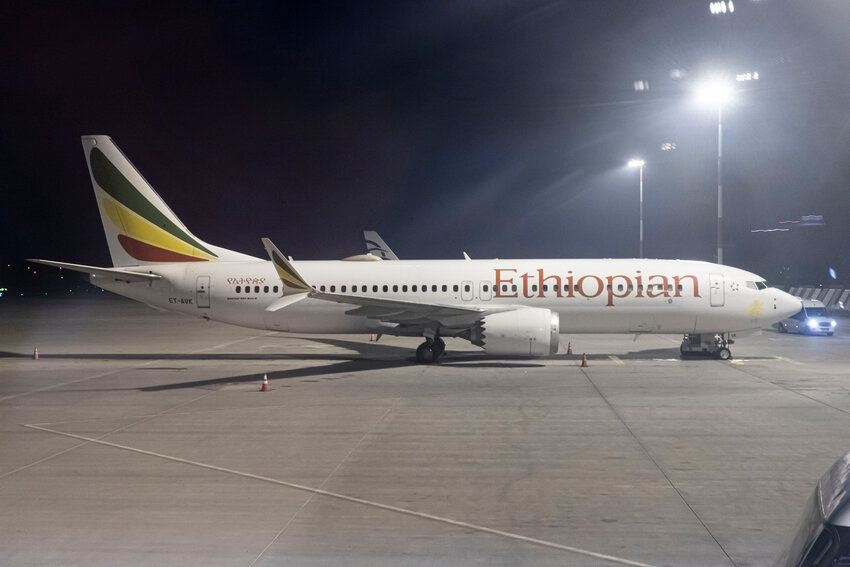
[
  {"x": 376, "y": 246},
  {"x": 139, "y": 226}
]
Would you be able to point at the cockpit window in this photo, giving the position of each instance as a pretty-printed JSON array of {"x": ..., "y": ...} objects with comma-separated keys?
[
  {"x": 762, "y": 285},
  {"x": 751, "y": 285}
]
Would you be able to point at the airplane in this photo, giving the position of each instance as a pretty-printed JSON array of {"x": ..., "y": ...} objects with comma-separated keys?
[
  {"x": 507, "y": 307},
  {"x": 376, "y": 246}
]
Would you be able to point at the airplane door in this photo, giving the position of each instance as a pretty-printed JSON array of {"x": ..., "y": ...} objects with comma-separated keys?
[
  {"x": 717, "y": 292},
  {"x": 202, "y": 295},
  {"x": 485, "y": 291},
  {"x": 466, "y": 291}
]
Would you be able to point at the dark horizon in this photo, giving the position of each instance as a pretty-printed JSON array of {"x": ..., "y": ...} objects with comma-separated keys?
[{"x": 501, "y": 129}]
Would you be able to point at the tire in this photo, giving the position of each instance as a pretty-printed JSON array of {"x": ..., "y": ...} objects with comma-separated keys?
[
  {"x": 439, "y": 348},
  {"x": 723, "y": 354},
  {"x": 425, "y": 354}
]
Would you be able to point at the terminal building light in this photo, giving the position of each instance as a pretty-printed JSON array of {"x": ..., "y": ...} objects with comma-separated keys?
[
  {"x": 719, "y": 7},
  {"x": 742, "y": 77}
]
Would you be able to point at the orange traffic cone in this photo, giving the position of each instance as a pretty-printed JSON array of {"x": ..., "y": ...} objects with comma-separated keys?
[
  {"x": 372, "y": 338},
  {"x": 35, "y": 354},
  {"x": 583, "y": 360},
  {"x": 265, "y": 386},
  {"x": 569, "y": 350}
]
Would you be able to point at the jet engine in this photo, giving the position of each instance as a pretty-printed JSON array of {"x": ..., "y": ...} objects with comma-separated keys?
[{"x": 529, "y": 331}]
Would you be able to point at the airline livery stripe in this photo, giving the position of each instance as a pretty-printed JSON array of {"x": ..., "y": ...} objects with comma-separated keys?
[
  {"x": 111, "y": 180},
  {"x": 148, "y": 253},
  {"x": 140, "y": 229},
  {"x": 283, "y": 270}
]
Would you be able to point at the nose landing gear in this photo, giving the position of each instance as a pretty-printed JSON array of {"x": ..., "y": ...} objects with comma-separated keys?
[{"x": 711, "y": 345}]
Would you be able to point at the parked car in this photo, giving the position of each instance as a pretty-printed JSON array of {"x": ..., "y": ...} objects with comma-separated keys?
[{"x": 812, "y": 319}]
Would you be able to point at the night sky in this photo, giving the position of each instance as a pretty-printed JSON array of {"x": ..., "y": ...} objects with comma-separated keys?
[{"x": 497, "y": 128}]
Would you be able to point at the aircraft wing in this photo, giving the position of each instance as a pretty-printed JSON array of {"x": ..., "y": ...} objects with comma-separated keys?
[
  {"x": 405, "y": 313},
  {"x": 119, "y": 274}
]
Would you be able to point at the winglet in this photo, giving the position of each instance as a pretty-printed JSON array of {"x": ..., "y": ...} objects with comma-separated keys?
[{"x": 292, "y": 280}]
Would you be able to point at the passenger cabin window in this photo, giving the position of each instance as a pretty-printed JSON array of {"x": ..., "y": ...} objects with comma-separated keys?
[
  {"x": 455, "y": 287},
  {"x": 333, "y": 288},
  {"x": 256, "y": 289},
  {"x": 534, "y": 287},
  {"x": 486, "y": 288},
  {"x": 545, "y": 287},
  {"x": 321, "y": 288},
  {"x": 375, "y": 289},
  {"x": 238, "y": 289},
  {"x": 395, "y": 288},
  {"x": 466, "y": 287},
  {"x": 342, "y": 289},
  {"x": 504, "y": 287},
  {"x": 404, "y": 288},
  {"x": 265, "y": 289},
  {"x": 434, "y": 288},
  {"x": 275, "y": 288},
  {"x": 445, "y": 287},
  {"x": 386, "y": 288}
]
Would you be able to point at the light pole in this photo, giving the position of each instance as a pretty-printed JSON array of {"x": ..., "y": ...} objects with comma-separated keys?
[
  {"x": 717, "y": 92},
  {"x": 639, "y": 163}
]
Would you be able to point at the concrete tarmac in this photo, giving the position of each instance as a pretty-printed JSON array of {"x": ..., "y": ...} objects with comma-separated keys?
[{"x": 141, "y": 438}]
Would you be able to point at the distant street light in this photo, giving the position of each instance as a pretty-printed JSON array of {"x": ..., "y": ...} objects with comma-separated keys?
[
  {"x": 717, "y": 93},
  {"x": 639, "y": 163}
]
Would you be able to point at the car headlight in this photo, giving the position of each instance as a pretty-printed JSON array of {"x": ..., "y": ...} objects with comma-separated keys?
[
  {"x": 811, "y": 323},
  {"x": 832, "y": 323}
]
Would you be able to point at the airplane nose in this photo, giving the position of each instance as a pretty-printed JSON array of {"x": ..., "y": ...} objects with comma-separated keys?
[{"x": 787, "y": 304}]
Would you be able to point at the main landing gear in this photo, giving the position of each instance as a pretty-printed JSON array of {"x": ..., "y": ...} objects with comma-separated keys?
[
  {"x": 711, "y": 345},
  {"x": 431, "y": 350}
]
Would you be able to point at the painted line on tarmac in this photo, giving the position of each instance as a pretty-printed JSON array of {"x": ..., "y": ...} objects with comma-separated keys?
[
  {"x": 790, "y": 360},
  {"x": 355, "y": 500},
  {"x": 616, "y": 360}
]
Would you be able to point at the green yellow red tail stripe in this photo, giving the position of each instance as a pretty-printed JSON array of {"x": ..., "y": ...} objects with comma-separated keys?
[{"x": 145, "y": 232}]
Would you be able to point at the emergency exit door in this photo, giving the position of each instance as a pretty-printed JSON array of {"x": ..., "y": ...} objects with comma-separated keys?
[{"x": 202, "y": 297}]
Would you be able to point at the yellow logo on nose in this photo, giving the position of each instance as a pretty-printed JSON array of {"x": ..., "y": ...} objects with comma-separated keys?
[{"x": 756, "y": 309}]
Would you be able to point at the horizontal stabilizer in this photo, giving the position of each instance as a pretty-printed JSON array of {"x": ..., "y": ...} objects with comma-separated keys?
[{"x": 119, "y": 274}]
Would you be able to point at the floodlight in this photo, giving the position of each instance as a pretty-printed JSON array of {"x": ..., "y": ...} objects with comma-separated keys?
[
  {"x": 636, "y": 163},
  {"x": 715, "y": 92}
]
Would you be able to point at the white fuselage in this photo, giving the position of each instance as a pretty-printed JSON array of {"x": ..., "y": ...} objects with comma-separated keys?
[{"x": 590, "y": 296}]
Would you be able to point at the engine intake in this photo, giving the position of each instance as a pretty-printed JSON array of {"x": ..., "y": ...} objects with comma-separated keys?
[{"x": 530, "y": 331}]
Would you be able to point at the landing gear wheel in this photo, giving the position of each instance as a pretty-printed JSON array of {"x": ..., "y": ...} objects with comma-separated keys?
[
  {"x": 439, "y": 348},
  {"x": 425, "y": 353},
  {"x": 723, "y": 353}
]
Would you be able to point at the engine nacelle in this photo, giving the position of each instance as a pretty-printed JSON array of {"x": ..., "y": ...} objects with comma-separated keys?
[{"x": 530, "y": 331}]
